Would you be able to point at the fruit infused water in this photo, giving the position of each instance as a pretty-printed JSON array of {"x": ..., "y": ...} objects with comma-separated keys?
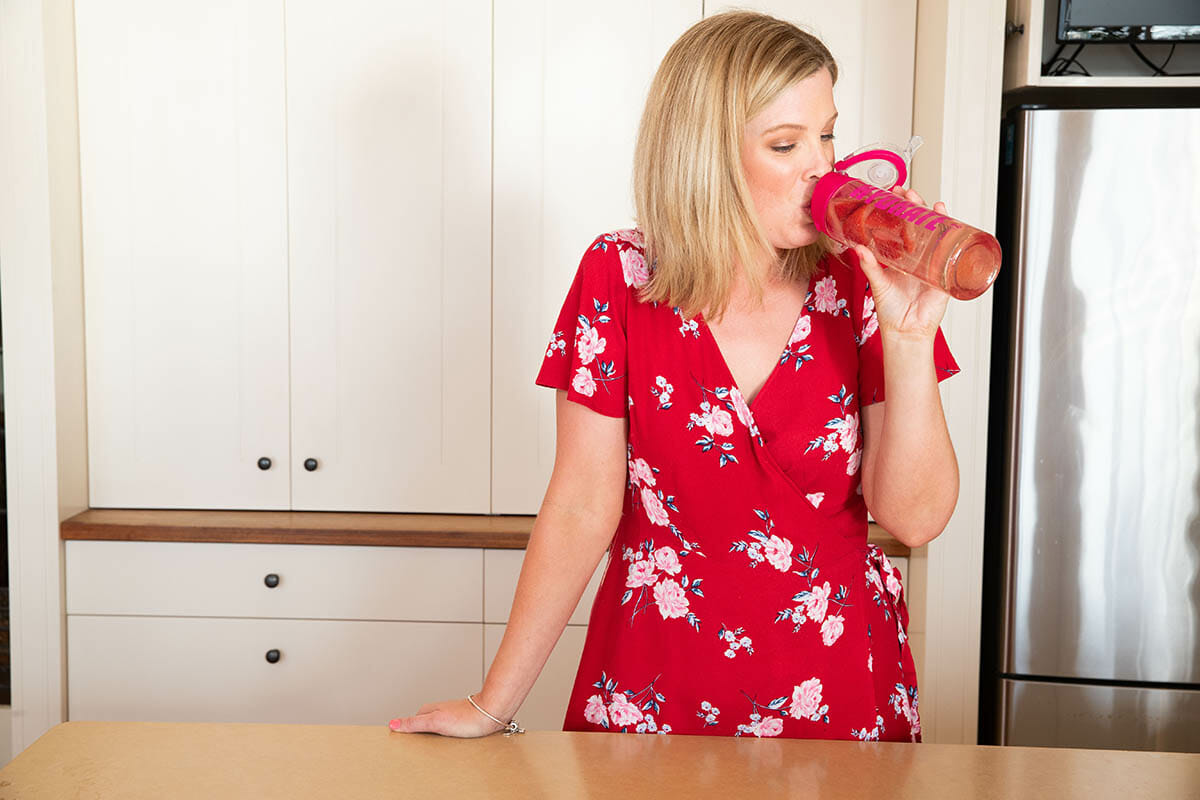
[{"x": 951, "y": 255}]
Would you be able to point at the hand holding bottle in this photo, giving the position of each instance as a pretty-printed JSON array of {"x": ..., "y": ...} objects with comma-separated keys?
[
  {"x": 955, "y": 257},
  {"x": 904, "y": 305}
]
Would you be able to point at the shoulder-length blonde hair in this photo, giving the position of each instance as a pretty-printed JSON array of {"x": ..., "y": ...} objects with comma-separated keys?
[{"x": 693, "y": 205}]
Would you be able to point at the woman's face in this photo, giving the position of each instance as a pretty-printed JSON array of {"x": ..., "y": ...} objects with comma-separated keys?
[{"x": 785, "y": 149}]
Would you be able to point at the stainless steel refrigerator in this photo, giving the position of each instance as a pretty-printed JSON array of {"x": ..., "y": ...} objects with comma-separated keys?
[{"x": 1092, "y": 554}]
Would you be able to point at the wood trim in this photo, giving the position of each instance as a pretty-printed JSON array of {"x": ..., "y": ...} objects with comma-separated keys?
[{"x": 332, "y": 528}]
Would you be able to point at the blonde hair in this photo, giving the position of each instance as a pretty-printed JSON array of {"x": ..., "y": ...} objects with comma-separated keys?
[{"x": 690, "y": 192}]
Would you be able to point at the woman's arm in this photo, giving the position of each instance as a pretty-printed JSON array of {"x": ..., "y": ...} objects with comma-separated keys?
[
  {"x": 909, "y": 470},
  {"x": 579, "y": 515}
]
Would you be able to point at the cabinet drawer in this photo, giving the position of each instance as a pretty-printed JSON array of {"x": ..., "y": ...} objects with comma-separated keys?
[
  {"x": 502, "y": 568},
  {"x": 315, "y": 582},
  {"x": 215, "y": 670}
]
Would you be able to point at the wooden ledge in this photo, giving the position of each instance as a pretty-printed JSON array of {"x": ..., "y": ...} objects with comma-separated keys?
[{"x": 326, "y": 527}]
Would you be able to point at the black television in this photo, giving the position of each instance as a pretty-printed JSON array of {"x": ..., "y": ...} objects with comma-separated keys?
[{"x": 1126, "y": 21}]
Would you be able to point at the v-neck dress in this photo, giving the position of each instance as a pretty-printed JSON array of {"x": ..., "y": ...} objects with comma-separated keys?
[{"x": 741, "y": 596}]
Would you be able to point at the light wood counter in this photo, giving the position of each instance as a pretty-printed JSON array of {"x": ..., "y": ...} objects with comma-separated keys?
[
  {"x": 181, "y": 761},
  {"x": 328, "y": 527}
]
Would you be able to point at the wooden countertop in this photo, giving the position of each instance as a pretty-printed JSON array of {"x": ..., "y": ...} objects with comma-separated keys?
[
  {"x": 322, "y": 527},
  {"x": 181, "y": 761}
]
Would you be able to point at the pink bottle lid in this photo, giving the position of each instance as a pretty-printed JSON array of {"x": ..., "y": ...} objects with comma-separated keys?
[
  {"x": 880, "y": 166},
  {"x": 827, "y": 186}
]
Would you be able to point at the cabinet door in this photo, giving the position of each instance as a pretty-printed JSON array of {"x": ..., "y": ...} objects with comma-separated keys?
[
  {"x": 571, "y": 80},
  {"x": 389, "y": 126},
  {"x": 216, "y": 670},
  {"x": 184, "y": 224}
]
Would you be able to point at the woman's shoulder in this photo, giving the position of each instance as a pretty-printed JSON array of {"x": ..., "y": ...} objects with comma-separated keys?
[{"x": 618, "y": 257}]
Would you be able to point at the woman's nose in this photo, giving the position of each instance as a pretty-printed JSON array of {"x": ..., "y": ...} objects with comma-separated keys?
[{"x": 820, "y": 167}]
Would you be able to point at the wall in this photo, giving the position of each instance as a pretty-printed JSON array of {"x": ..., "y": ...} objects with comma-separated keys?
[
  {"x": 956, "y": 108},
  {"x": 41, "y": 284}
]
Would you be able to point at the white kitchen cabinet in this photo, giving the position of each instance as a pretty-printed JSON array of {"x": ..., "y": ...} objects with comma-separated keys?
[
  {"x": 184, "y": 215},
  {"x": 200, "y": 669},
  {"x": 287, "y": 253},
  {"x": 569, "y": 96},
  {"x": 182, "y": 631},
  {"x": 570, "y": 83},
  {"x": 389, "y": 156}
]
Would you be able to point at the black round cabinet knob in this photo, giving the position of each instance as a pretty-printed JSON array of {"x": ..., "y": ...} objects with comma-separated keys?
[
  {"x": 310, "y": 464},
  {"x": 264, "y": 463},
  {"x": 271, "y": 580},
  {"x": 272, "y": 656}
]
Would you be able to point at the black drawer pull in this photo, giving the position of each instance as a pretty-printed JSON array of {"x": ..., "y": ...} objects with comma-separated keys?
[
  {"x": 264, "y": 463},
  {"x": 310, "y": 464},
  {"x": 272, "y": 656},
  {"x": 271, "y": 580}
]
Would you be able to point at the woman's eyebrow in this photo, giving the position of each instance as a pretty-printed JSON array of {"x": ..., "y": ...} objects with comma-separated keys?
[{"x": 796, "y": 126}]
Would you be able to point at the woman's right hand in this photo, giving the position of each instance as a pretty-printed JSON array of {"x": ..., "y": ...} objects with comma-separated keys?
[{"x": 449, "y": 718}]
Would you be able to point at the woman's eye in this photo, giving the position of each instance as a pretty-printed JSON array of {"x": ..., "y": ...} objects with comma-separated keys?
[
  {"x": 783, "y": 148},
  {"x": 826, "y": 137}
]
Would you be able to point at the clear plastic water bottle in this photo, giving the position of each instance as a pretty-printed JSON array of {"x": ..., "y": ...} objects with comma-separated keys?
[{"x": 854, "y": 204}]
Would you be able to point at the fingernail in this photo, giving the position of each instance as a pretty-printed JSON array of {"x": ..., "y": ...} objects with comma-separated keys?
[{"x": 394, "y": 724}]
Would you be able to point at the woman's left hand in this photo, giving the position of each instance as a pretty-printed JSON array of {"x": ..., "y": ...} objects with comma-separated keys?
[{"x": 905, "y": 306}]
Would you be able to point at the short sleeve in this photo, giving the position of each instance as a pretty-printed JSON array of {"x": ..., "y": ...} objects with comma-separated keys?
[
  {"x": 586, "y": 355},
  {"x": 870, "y": 344}
]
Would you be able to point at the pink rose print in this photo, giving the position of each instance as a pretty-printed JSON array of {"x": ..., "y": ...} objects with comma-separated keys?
[
  {"x": 831, "y": 629},
  {"x": 802, "y": 330},
  {"x": 778, "y": 553},
  {"x": 720, "y": 422},
  {"x": 641, "y": 573},
  {"x": 622, "y": 712},
  {"x": 818, "y": 602},
  {"x": 741, "y": 407},
  {"x": 631, "y": 235},
  {"x": 654, "y": 507},
  {"x": 583, "y": 382},
  {"x": 806, "y": 701},
  {"x": 893, "y": 586},
  {"x": 595, "y": 712},
  {"x": 771, "y": 726},
  {"x": 633, "y": 264},
  {"x": 640, "y": 472},
  {"x": 826, "y": 295},
  {"x": 588, "y": 345},
  {"x": 848, "y": 436},
  {"x": 870, "y": 318},
  {"x": 671, "y": 599},
  {"x": 667, "y": 561},
  {"x": 854, "y": 462}
]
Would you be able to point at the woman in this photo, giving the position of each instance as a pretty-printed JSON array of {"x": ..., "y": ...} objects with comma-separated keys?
[{"x": 711, "y": 369}]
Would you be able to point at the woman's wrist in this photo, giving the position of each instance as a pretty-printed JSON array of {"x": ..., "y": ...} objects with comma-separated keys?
[{"x": 495, "y": 703}]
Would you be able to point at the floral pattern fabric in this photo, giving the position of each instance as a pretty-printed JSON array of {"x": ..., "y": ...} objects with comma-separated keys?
[{"x": 741, "y": 597}]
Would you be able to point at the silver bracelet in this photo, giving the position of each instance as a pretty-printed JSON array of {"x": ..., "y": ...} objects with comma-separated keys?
[{"x": 510, "y": 727}]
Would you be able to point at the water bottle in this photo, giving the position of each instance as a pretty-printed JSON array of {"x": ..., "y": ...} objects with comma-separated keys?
[{"x": 854, "y": 204}]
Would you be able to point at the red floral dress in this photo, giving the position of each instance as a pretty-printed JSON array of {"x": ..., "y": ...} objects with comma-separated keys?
[{"x": 741, "y": 596}]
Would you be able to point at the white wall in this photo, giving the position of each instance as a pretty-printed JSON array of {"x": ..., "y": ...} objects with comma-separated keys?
[
  {"x": 41, "y": 287},
  {"x": 960, "y": 48}
]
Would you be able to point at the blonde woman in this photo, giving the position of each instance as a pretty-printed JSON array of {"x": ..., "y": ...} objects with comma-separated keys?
[{"x": 733, "y": 397}]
